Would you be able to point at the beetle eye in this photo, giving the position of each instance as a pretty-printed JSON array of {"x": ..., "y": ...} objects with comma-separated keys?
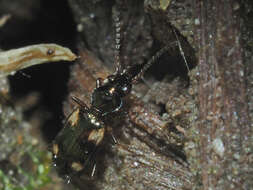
[{"x": 124, "y": 90}]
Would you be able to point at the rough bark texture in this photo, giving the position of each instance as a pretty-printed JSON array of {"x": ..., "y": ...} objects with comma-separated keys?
[
  {"x": 178, "y": 129},
  {"x": 224, "y": 132}
]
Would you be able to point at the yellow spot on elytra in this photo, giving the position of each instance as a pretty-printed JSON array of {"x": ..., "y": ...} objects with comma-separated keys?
[
  {"x": 77, "y": 166},
  {"x": 74, "y": 117},
  {"x": 55, "y": 149},
  {"x": 96, "y": 135}
]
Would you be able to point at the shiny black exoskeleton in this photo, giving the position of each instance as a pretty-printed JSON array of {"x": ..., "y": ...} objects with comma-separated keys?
[
  {"x": 75, "y": 145},
  {"x": 84, "y": 130},
  {"x": 108, "y": 94}
]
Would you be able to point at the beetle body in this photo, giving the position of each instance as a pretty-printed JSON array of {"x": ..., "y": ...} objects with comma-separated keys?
[
  {"x": 77, "y": 142},
  {"x": 84, "y": 130}
]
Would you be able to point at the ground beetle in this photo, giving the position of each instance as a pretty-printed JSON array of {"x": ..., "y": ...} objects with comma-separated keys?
[{"x": 84, "y": 129}]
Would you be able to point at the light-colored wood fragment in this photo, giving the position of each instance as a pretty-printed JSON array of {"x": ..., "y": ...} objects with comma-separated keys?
[
  {"x": 17, "y": 59},
  {"x": 4, "y": 19}
]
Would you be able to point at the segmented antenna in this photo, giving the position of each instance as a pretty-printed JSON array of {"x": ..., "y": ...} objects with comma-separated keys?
[
  {"x": 82, "y": 105},
  {"x": 181, "y": 50},
  {"x": 117, "y": 41},
  {"x": 153, "y": 59}
]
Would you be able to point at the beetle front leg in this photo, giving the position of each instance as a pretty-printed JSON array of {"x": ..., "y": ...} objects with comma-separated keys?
[{"x": 99, "y": 82}]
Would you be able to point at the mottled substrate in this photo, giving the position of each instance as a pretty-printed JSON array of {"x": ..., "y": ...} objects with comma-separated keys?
[
  {"x": 192, "y": 133},
  {"x": 247, "y": 37},
  {"x": 178, "y": 14},
  {"x": 182, "y": 114},
  {"x": 221, "y": 146},
  {"x": 23, "y": 165}
]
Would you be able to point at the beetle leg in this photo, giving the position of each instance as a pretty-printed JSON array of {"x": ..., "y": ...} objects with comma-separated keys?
[
  {"x": 93, "y": 170},
  {"x": 114, "y": 139},
  {"x": 82, "y": 105},
  {"x": 99, "y": 82}
]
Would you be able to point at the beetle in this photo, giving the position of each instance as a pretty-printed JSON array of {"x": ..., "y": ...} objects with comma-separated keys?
[{"x": 84, "y": 130}]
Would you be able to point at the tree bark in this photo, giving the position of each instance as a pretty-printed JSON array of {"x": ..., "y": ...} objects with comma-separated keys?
[{"x": 224, "y": 130}]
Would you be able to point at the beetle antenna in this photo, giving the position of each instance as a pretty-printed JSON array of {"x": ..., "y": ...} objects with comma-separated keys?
[
  {"x": 153, "y": 59},
  {"x": 82, "y": 105},
  {"x": 93, "y": 170},
  {"x": 117, "y": 21},
  {"x": 181, "y": 50}
]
